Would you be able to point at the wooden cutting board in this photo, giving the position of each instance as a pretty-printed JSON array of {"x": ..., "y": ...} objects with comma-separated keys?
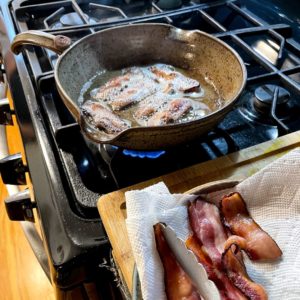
[{"x": 238, "y": 165}]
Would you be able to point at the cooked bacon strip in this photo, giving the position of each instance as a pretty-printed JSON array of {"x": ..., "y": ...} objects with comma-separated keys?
[
  {"x": 206, "y": 224},
  {"x": 173, "y": 111},
  {"x": 233, "y": 263},
  {"x": 102, "y": 118},
  {"x": 227, "y": 290},
  {"x": 178, "y": 285},
  {"x": 259, "y": 244},
  {"x": 236, "y": 240}
]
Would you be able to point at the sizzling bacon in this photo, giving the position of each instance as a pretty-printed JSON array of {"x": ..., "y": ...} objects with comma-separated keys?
[
  {"x": 233, "y": 263},
  {"x": 259, "y": 244},
  {"x": 127, "y": 89},
  {"x": 111, "y": 88},
  {"x": 161, "y": 118},
  {"x": 102, "y": 118},
  {"x": 173, "y": 111},
  {"x": 144, "y": 112},
  {"x": 178, "y": 285},
  {"x": 178, "y": 81},
  {"x": 227, "y": 290},
  {"x": 149, "y": 106},
  {"x": 130, "y": 96}
]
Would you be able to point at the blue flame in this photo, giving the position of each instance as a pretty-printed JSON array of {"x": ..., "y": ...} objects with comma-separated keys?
[{"x": 144, "y": 154}]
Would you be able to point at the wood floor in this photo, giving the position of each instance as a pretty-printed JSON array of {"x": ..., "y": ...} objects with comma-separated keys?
[{"x": 21, "y": 277}]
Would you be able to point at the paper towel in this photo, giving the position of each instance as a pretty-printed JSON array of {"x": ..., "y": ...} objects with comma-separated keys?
[{"x": 273, "y": 199}]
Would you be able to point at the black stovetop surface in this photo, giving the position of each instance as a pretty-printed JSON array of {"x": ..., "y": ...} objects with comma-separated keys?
[{"x": 73, "y": 171}]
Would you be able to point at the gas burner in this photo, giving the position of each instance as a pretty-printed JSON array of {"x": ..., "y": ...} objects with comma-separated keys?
[
  {"x": 73, "y": 19},
  {"x": 264, "y": 98},
  {"x": 144, "y": 154},
  {"x": 60, "y": 18},
  {"x": 269, "y": 105},
  {"x": 109, "y": 151},
  {"x": 169, "y": 4}
]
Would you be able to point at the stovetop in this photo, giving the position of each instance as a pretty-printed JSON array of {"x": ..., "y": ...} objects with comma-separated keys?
[
  {"x": 93, "y": 170},
  {"x": 74, "y": 171}
]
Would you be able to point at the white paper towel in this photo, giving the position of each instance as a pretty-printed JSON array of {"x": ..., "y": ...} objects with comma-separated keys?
[{"x": 273, "y": 199}]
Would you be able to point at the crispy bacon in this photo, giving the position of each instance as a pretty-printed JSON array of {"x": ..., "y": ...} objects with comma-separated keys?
[
  {"x": 206, "y": 224},
  {"x": 178, "y": 285},
  {"x": 227, "y": 290},
  {"x": 259, "y": 244},
  {"x": 221, "y": 256},
  {"x": 232, "y": 262},
  {"x": 102, "y": 118}
]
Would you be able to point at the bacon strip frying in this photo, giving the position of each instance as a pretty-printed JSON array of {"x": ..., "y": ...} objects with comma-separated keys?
[
  {"x": 178, "y": 81},
  {"x": 259, "y": 244},
  {"x": 233, "y": 263},
  {"x": 173, "y": 112},
  {"x": 178, "y": 285},
  {"x": 103, "y": 118},
  {"x": 227, "y": 290},
  {"x": 125, "y": 90},
  {"x": 130, "y": 96}
]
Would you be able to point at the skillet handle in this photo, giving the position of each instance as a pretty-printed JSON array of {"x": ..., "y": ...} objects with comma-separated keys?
[{"x": 56, "y": 43}]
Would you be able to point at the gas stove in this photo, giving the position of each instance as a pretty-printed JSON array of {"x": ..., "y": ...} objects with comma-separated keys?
[{"x": 69, "y": 173}]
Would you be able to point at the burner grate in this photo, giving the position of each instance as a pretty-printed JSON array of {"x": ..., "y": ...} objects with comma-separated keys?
[{"x": 267, "y": 49}]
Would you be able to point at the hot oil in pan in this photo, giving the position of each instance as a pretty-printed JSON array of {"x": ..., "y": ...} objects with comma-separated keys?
[{"x": 149, "y": 90}]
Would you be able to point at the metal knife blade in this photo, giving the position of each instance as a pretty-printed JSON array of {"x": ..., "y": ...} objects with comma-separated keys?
[{"x": 191, "y": 266}]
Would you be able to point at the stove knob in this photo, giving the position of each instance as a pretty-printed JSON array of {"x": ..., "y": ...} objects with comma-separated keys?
[
  {"x": 19, "y": 207},
  {"x": 12, "y": 169},
  {"x": 5, "y": 112}
]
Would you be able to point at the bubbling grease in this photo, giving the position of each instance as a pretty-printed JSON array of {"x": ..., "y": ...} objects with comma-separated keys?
[{"x": 204, "y": 100}]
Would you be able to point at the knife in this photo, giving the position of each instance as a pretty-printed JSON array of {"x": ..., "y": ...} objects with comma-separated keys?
[{"x": 190, "y": 265}]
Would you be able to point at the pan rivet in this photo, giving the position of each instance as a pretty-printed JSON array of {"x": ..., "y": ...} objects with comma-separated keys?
[{"x": 62, "y": 41}]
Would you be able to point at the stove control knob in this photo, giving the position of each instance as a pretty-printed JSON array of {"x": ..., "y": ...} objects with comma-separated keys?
[
  {"x": 12, "y": 169},
  {"x": 19, "y": 207},
  {"x": 5, "y": 112}
]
